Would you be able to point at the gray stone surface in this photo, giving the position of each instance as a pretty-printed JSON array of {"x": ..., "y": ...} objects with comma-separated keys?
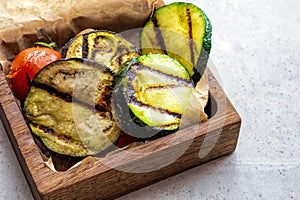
[{"x": 256, "y": 57}]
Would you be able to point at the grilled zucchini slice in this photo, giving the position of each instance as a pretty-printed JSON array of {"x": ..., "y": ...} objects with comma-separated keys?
[
  {"x": 151, "y": 95},
  {"x": 182, "y": 31},
  {"x": 69, "y": 107},
  {"x": 105, "y": 47}
]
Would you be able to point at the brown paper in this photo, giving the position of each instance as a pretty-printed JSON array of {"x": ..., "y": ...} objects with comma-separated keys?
[
  {"x": 201, "y": 94},
  {"x": 61, "y": 19}
]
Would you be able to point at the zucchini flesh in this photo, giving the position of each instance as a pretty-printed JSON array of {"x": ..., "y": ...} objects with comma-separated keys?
[
  {"x": 156, "y": 90},
  {"x": 69, "y": 107},
  {"x": 182, "y": 31},
  {"x": 106, "y": 47}
]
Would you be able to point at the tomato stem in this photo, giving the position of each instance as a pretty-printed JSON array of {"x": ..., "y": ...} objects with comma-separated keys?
[{"x": 51, "y": 45}]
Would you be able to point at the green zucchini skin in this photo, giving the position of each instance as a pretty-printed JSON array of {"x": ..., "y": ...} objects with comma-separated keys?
[
  {"x": 68, "y": 107},
  {"x": 103, "y": 46},
  {"x": 182, "y": 31},
  {"x": 150, "y": 95}
]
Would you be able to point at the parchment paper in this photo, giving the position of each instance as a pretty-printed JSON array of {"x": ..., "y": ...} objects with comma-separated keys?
[{"x": 61, "y": 19}]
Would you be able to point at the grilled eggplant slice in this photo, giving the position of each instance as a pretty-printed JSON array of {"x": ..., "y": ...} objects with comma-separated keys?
[
  {"x": 69, "y": 107},
  {"x": 182, "y": 31},
  {"x": 151, "y": 94},
  {"x": 105, "y": 47}
]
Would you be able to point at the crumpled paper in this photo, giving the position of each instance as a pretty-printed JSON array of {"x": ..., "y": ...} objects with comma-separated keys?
[
  {"x": 201, "y": 94},
  {"x": 62, "y": 19}
]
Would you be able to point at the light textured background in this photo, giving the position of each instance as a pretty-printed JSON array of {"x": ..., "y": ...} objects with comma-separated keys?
[{"x": 256, "y": 57}]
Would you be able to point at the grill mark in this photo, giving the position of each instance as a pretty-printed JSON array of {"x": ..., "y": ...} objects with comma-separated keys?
[
  {"x": 95, "y": 49},
  {"x": 99, "y": 37},
  {"x": 124, "y": 52},
  {"x": 85, "y": 46},
  {"x": 158, "y": 35},
  {"x": 94, "y": 53},
  {"x": 179, "y": 80},
  {"x": 133, "y": 100},
  {"x": 68, "y": 98},
  {"x": 50, "y": 131},
  {"x": 105, "y": 100},
  {"x": 189, "y": 19},
  {"x": 121, "y": 52},
  {"x": 43, "y": 128},
  {"x": 107, "y": 129},
  {"x": 160, "y": 87},
  {"x": 53, "y": 92},
  {"x": 169, "y": 125},
  {"x": 120, "y": 60}
]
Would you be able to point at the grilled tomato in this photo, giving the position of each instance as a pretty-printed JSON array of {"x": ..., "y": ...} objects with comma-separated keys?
[{"x": 26, "y": 64}]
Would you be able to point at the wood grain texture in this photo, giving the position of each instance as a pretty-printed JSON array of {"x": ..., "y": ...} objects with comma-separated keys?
[{"x": 116, "y": 174}]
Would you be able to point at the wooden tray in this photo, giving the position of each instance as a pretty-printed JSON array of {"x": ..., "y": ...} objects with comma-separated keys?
[{"x": 122, "y": 172}]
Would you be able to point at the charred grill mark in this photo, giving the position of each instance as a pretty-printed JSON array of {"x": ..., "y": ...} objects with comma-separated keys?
[
  {"x": 68, "y": 98},
  {"x": 53, "y": 92},
  {"x": 52, "y": 132},
  {"x": 99, "y": 37},
  {"x": 85, "y": 46},
  {"x": 43, "y": 128},
  {"x": 169, "y": 125},
  {"x": 189, "y": 20},
  {"x": 179, "y": 80},
  {"x": 107, "y": 128},
  {"x": 120, "y": 60},
  {"x": 97, "y": 46},
  {"x": 94, "y": 53},
  {"x": 121, "y": 52},
  {"x": 133, "y": 100},
  {"x": 158, "y": 35},
  {"x": 161, "y": 87},
  {"x": 105, "y": 101}
]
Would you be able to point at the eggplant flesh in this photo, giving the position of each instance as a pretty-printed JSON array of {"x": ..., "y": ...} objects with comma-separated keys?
[
  {"x": 182, "y": 31},
  {"x": 106, "y": 47},
  {"x": 156, "y": 90},
  {"x": 69, "y": 107}
]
